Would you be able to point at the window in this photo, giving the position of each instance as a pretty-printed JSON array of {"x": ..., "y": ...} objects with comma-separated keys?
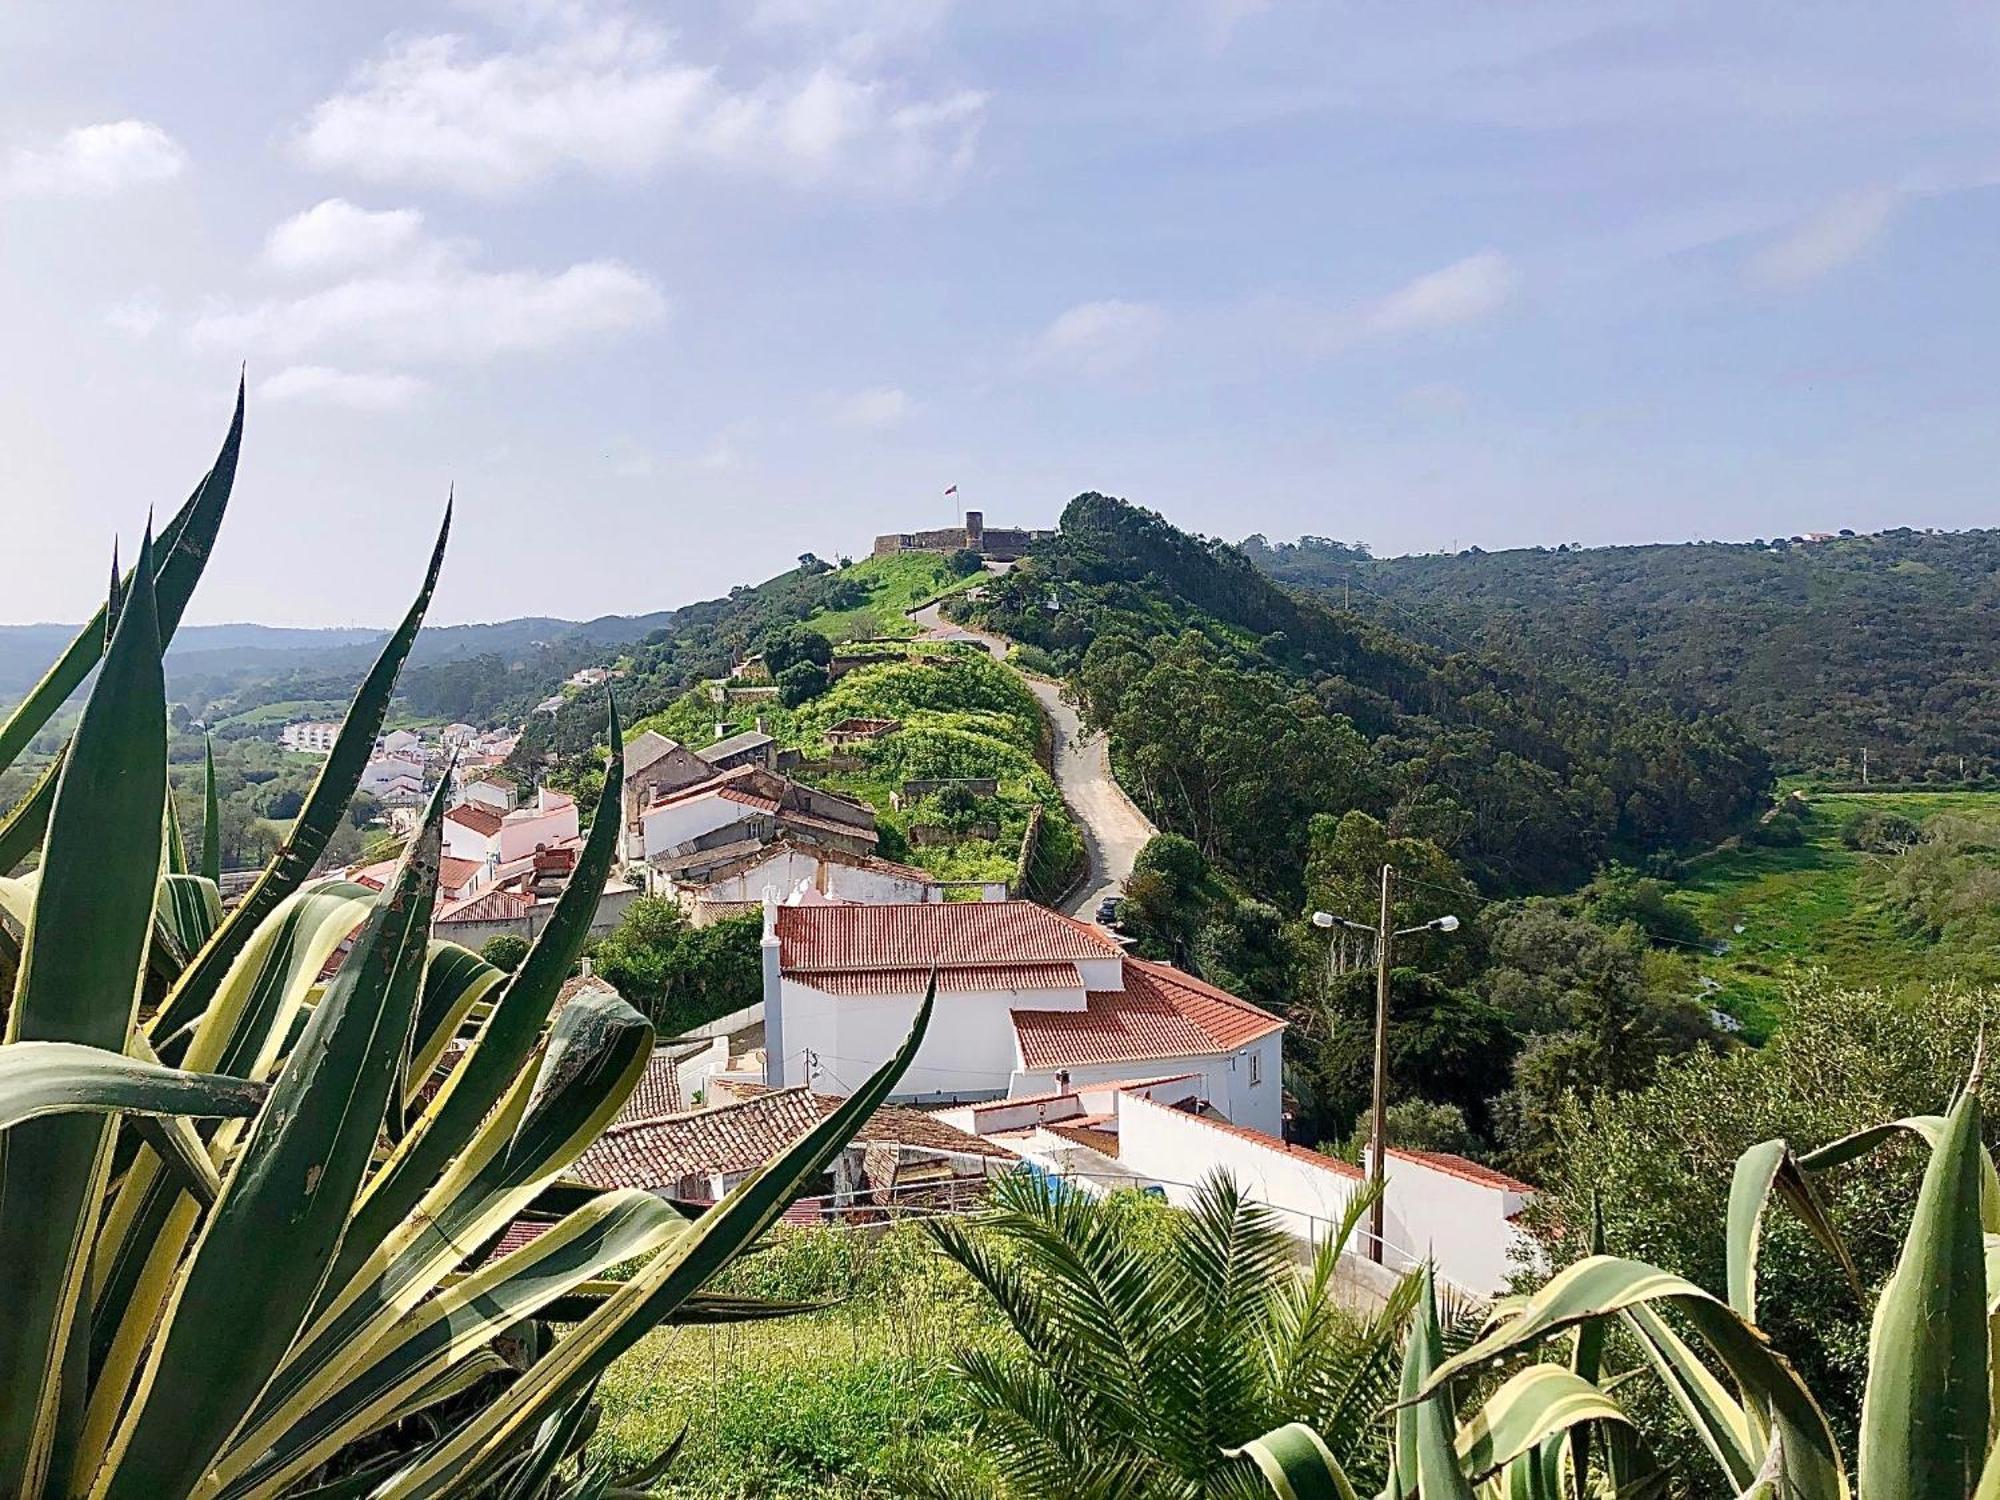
[{"x": 1256, "y": 1069}]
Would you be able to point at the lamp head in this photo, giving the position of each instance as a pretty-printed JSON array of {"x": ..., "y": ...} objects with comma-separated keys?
[
  {"x": 1446, "y": 923},
  {"x": 1322, "y": 919}
]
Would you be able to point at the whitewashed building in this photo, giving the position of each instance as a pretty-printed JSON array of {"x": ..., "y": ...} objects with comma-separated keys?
[
  {"x": 1029, "y": 1002},
  {"x": 312, "y": 737}
]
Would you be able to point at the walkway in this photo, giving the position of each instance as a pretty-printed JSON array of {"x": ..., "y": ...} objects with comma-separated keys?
[{"x": 1114, "y": 831}]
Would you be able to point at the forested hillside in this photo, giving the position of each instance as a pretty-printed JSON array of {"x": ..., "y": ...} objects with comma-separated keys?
[
  {"x": 1239, "y": 709},
  {"x": 1887, "y": 643}
]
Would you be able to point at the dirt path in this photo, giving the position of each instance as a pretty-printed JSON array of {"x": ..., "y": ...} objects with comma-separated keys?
[{"x": 1114, "y": 831}]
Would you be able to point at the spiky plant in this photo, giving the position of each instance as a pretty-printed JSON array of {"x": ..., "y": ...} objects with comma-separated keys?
[
  {"x": 245, "y": 1208},
  {"x": 1144, "y": 1350},
  {"x": 1927, "y": 1417}
]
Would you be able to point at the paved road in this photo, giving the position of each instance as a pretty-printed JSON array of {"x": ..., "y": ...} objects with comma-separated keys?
[{"x": 1114, "y": 830}]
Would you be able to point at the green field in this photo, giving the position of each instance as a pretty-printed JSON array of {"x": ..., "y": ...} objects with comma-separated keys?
[
  {"x": 897, "y": 582},
  {"x": 1823, "y": 905},
  {"x": 831, "y": 1403}
]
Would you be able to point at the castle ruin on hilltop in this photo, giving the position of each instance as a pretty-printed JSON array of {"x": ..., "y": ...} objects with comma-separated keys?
[{"x": 998, "y": 544}]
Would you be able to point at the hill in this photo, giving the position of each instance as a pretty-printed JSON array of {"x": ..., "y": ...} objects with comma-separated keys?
[
  {"x": 1239, "y": 709},
  {"x": 1885, "y": 642}
]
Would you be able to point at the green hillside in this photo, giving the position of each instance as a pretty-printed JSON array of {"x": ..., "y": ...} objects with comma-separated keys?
[
  {"x": 1885, "y": 642},
  {"x": 1867, "y": 916}
]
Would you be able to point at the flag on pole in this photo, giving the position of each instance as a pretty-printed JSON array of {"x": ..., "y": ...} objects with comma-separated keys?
[{"x": 952, "y": 491}]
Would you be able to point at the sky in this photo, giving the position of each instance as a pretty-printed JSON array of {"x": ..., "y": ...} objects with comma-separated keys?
[{"x": 669, "y": 294}]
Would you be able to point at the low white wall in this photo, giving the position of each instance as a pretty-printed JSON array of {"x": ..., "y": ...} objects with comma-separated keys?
[{"x": 1461, "y": 1224}]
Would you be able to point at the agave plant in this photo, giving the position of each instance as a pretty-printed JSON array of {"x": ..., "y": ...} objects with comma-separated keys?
[
  {"x": 248, "y": 1186},
  {"x": 1928, "y": 1412}
]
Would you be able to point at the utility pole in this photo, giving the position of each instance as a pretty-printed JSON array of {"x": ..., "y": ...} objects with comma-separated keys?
[
  {"x": 1379, "y": 1127},
  {"x": 1864, "y": 765}
]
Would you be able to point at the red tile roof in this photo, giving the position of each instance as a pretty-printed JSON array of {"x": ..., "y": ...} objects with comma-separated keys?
[
  {"x": 481, "y": 820},
  {"x": 970, "y": 979},
  {"x": 1161, "y": 1012},
  {"x": 1312, "y": 1158},
  {"x": 663, "y": 1153},
  {"x": 906, "y": 935},
  {"x": 734, "y": 777},
  {"x": 748, "y": 799},
  {"x": 658, "y": 1093},
  {"x": 497, "y": 905},
  {"x": 1459, "y": 1166},
  {"x": 792, "y": 816}
]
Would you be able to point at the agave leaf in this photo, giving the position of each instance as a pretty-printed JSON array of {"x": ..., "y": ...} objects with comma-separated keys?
[
  {"x": 1717, "y": 1417},
  {"x": 265, "y": 1250},
  {"x": 1924, "y": 1414},
  {"x": 453, "y": 1326},
  {"x": 1297, "y": 1464},
  {"x": 455, "y": 980},
  {"x": 100, "y": 876},
  {"x": 510, "y": 1034},
  {"x": 177, "y": 855},
  {"x": 48, "y": 1078},
  {"x": 476, "y": 1452},
  {"x": 150, "y": 1222},
  {"x": 1765, "y": 1166},
  {"x": 1438, "y": 1476},
  {"x": 324, "y": 807},
  {"x": 595, "y": 1059},
  {"x": 1604, "y": 1285},
  {"x": 22, "y": 829},
  {"x": 175, "y": 566},
  {"x": 1537, "y": 1403},
  {"x": 211, "y": 817}
]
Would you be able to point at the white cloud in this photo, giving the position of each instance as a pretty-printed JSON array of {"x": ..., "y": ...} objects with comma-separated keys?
[
  {"x": 1825, "y": 241},
  {"x": 607, "y": 95},
  {"x": 1101, "y": 338},
  {"x": 1463, "y": 292},
  {"x": 441, "y": 311},
  {"x": 876, "y": 409},
  {"x": 360, "y": 390},
  {"x": 94, "y": 161},
  {"x": 135, "y": 317},
  {"x": 337, "y": 236}
]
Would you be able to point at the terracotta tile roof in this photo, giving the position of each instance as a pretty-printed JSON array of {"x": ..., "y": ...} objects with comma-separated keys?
[
  {"x": 748, "y": 799},
  {"x": 971, "y": 979},
  {"x": 909, "y": 935},
  {"x": 481, "y": 820},
  {"x": 659, "y": 1090},
  {"x": 1325, "y": 1163},
  {"x": 734, "y": 777},
  {"x": 663, "y": 1153},
  {"x": 582, "y": 984},
  {"x": 487, "y": 906},
  {"x": 521, "y": 1232},
  {"x": 1160, "y": 1013},
  {"x": 1459, "y": 1166},
  {"x": 793, "y": 816}
]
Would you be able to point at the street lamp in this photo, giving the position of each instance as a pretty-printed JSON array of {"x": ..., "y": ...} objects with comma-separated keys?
[{"x": 1378, "y": 1134}]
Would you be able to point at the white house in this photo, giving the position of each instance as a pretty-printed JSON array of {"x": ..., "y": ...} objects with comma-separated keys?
[
  {"x": 312, "y": 737},
  {"x": 749, "y": 804},
  {"x": 1162, "y": 1133},
  {"x": 496, "y": 792},
  {"x": 734, "y": 876},
  {"x": 547, "y": 821},
  {"x": 458, "y": 736},
  {"x": 404, "y": 742},
  {"x": 393, "y": 778},
  {"x": 1029, "y": 1002},
  {"x": 472, "y": 831}
]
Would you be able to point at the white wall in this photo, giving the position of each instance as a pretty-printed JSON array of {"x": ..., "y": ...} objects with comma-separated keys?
[
  {"x": 968, "y": 1050},
  {"x": 790, "y": 864},
  {"x": 668, "y": 827},
  {"x": 551, "y": 821},
  {"x": 1177, "y": 1150},
  {"x": 461, "y": 842},
  {"x": 1463, "y": 1225},
  {"x": 1225, "y": 1080},
  {"x": 490, "y": 794}
]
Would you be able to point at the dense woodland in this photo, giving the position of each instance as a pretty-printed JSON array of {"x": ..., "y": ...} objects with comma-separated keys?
[
  {"x": 1820, "y": 650},
  {"x": 1240, "y": 709}
]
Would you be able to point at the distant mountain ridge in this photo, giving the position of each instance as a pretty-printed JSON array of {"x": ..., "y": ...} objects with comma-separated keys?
[
  {"x": 1887, "y": 643},
  {"x": 242, "y": 650}
]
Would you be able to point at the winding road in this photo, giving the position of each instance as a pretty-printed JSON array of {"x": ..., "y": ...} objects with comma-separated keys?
[{"x": 1114, "y": 831}]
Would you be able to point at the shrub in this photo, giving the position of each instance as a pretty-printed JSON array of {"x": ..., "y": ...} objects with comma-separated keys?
[
  {"x": 1880, "y": 833},
  {"x": 801, "y": 682},
  {"x": 504, "y": 951}
]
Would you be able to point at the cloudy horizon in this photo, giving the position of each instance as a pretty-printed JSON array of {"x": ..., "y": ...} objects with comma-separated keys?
[{"x": 670, "y": 295}]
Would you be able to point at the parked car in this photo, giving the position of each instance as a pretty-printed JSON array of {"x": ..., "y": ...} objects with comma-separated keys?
[{"x": 1107, "y": 911}]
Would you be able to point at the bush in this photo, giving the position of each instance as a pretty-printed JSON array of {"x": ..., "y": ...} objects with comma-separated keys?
[
  {"x": 1176, "y": 860},
  {"x": 505, "y": 951},
  {"x": 1782, "y": 830},
  {"x": 792, "y": 645},
  {"x": 1880, "y": 833},
  {"x": 801, "y": 682},
  {"x": 964, "y": 562},
  {"x": 1619, "y": 896}
]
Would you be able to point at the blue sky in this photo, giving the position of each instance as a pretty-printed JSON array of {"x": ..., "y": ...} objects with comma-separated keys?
[{"x": 674, "y": 293}]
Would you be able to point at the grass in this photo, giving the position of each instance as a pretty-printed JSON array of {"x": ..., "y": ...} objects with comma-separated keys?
[
  {"x": 897, "y": 583},
  {"x": 829, "y": 1403},
  {"x": 1820, "y": 905}
]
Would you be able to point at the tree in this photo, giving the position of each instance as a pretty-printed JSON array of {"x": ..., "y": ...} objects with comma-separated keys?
[
  {"x": 1146, "y": 1342},
  {"x": 1620, "y": 895},
  {"x": 792, "y": 644},
  {"x": 504, "y": 951},
  {"x": 681, "y": 975},
  {"x": 801, "y": 682},
  {"x": 1658, "y": 1163}
]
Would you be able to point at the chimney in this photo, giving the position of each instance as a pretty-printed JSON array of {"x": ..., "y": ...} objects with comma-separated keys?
[
  {"x": 721, "y": 730},
  {"x": 774, "y": 1000},
  {"x": 762, "y": 727}
]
